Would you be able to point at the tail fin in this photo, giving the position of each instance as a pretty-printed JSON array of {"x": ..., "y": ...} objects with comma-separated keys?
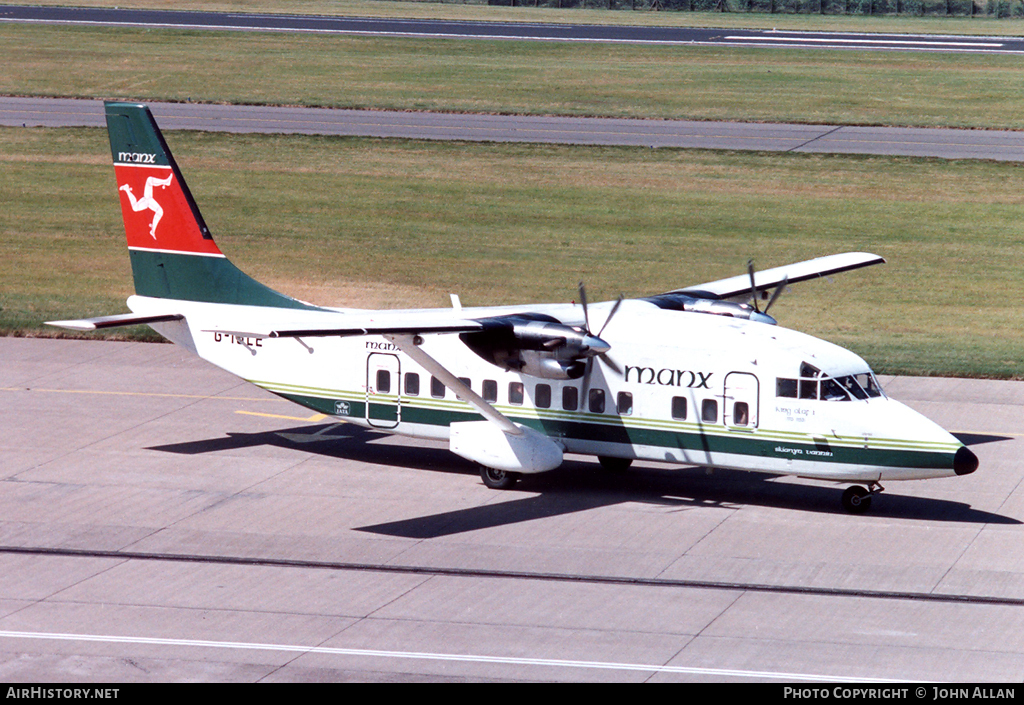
[{"x": 172, "y": 251}]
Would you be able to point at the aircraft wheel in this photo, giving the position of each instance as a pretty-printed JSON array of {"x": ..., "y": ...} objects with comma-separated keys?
[
  {"x": 498, "y": 479},
  {"x": 856, "y": 500},
  {"x": 614, "y": 464}
]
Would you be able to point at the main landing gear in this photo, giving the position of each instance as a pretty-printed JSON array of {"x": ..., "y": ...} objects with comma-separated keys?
[
  {"x": 498, "y": 479},
  {"x": 857, "y": 499}
]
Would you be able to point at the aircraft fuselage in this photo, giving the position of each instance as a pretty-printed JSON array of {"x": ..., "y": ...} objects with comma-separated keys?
[{"x": 700, "y": 390}]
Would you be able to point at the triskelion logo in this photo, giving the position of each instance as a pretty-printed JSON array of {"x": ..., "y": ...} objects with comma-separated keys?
[{"x": 147, "y": 202}]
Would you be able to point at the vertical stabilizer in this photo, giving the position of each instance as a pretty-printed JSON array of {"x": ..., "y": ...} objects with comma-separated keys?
[{"x": 172, "y": 251}]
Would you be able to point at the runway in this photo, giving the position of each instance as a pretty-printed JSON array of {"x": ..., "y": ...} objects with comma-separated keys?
[
  {"x": 162, "y": 521},
  {"x": 1001, "y": 145},
  {"x": 514, "y": 31}
]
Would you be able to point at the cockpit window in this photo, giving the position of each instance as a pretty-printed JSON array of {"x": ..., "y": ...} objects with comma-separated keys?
[
  {"x": 814, "y": 385},
  {"x": 832, "y": 390},
  {"x": 869, "y": 384},
  {"x": 808, "y": 370},
  {"x": 850, "y": 385}
]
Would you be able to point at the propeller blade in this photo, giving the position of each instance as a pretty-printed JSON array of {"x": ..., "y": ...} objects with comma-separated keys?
[
  {"x": 753, "y": 287},
  {"x": 585, "y": 386},
  {"x": 610, "y": 315},
  {"x": 611, "y": 363},
  {"x": 777, "y": 293},
  {"x": 583, "y": 302}
]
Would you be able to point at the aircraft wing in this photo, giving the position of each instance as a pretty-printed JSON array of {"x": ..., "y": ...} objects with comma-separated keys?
[
  {"x": 368, "y": 328},
  {"x": 738, "y": 287}
]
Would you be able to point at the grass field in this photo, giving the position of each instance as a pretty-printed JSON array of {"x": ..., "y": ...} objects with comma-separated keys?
[
  {"x": 702, "y": 83},
  {"x": 402, "y": 223},
  {"x": 370, "y": 222}
]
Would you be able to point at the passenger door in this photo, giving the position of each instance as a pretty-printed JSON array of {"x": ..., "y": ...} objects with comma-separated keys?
[
  {"x": 740, "y": 400},
  {"x": 383, "y": 390}
]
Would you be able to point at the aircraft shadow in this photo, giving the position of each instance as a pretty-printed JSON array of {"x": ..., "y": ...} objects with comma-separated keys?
[
  {"x": 333, "y": 440},
  {"x": 579, "y": 486}
]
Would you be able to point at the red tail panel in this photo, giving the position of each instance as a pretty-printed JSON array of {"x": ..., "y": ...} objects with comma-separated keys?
[{"x": 157, "y": 214}]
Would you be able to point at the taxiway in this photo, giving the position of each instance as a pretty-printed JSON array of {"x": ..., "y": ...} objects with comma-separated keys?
[{"x": 161, "y": 520}]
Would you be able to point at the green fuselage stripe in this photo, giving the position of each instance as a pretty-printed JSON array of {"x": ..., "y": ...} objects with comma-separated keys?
[{"x": 628, "y": 431}]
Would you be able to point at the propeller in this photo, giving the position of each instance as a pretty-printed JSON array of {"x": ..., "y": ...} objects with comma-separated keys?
[
  {"x": 755, "y": 294},
  {"x": 600, "y": 347},
  {"x": 777, "y": 293}
]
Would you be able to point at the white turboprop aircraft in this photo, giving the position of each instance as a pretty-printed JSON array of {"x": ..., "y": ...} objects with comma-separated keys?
[{"x": 694, "y": 376}]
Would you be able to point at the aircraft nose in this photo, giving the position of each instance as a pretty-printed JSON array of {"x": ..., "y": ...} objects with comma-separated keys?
[{"x": 964, "y": 462}]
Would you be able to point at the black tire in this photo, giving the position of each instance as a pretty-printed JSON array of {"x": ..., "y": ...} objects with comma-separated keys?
[
  {"x": 614, "y": 464},
  {"x": 856, "y": 500},
  {"x": 498, "y": 479}
]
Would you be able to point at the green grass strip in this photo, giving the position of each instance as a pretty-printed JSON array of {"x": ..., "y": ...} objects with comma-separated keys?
[{"x": 701, "y": 83}]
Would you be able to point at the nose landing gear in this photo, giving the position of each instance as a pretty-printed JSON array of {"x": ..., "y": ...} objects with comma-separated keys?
[{"x": 857, "y": 499}]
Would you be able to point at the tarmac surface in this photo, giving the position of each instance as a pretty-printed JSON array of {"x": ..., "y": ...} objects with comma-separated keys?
[
  {"x": 160, "y": 520},
  {"x": 1001, "y": 145}
]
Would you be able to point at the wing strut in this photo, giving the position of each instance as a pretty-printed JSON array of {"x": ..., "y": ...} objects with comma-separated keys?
[{"x": 407, "y": 344}]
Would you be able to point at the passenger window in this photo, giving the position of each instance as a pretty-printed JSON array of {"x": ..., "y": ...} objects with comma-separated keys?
[
  {"x": 383, "y": 381},
  {"x": 412, "y": 384},
  {"x": 785, "y": 388},
  {"x": 596, "y": 401},
  {"x": 709, "y": 411},
  {"x": 466, "y": 381},
  {"x": 570, "y": 398},
  {"x": 490, "y": 390},
  {"x": 436, "y": 388},
  {"x": 679, "y": 408},
  {"x": 741, "y": 413},
  {"x": 515, "y": 393},
  {"x": 542, "y": 396},
  {"x": 624, "y": 403}
]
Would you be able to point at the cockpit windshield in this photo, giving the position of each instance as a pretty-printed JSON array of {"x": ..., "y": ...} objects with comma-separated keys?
[
  {"x": 813, "y": 384},
  {"x": 869, "y": 384}
]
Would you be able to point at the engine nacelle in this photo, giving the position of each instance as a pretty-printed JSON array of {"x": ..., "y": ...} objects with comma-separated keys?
[
  {"x": 483, "y": 442},
  {"x": 731, "y": 309},
  {"x": 548, "y": 366},
  {"x": 540, "y": 347}
]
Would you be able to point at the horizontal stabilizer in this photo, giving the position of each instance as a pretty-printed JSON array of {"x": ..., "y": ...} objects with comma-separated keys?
[
  {"x": 124, "y": 319},
  {"x": 739, "y": 286}
]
